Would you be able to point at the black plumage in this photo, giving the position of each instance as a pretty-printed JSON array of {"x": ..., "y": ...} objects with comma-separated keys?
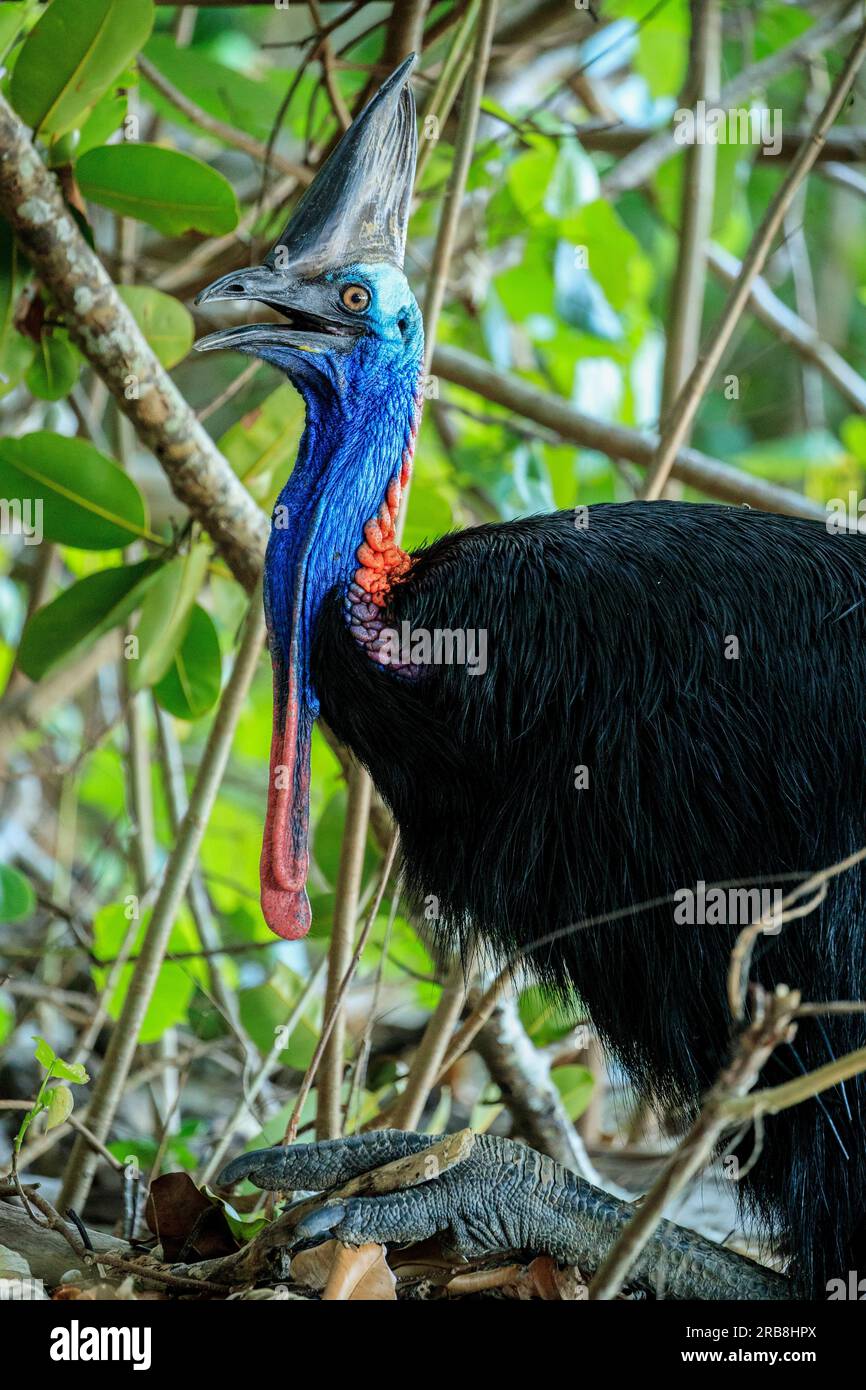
[{"x": 608, "y": 647}]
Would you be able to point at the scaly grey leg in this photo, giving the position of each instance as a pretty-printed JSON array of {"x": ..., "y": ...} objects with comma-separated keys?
[{"x": 503, "y": 1197}]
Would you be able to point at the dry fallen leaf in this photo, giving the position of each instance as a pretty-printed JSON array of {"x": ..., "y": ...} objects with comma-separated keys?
[
  {"x": 543, "y": 1279},
  {"x": 360, "y": 1274},
  {"x": 347, "y": 1275},
  {"x": 189, "y": 1224}
]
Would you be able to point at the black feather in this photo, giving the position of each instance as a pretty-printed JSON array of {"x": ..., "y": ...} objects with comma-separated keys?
[{"x": 606, "y": 648}]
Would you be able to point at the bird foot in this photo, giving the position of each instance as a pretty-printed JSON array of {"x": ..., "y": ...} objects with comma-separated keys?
[{"x": 496, "y": 1196}]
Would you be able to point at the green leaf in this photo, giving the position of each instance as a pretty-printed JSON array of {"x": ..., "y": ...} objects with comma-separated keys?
[
  {"x": 265, "y": 1008},
  {"x": 529, "y": 175},
  {"x": 70, "y": 1071},
  {"x": 580, "y": 300},
  {"x": 60, "y": 1104},
  {"x": 575, "y": 1085},
  {"x": 12, "y": 17},
  {"x": 173, "y": 192},
  {"x": 248, "y": 103},
  {"x": 17, "y": 899},
  {"x": 176, "y": 982},
  {"x": 262, "y": 445},
  {"x": 82, "y": 614},
  {"x": 165, "y": 616},
  {"x": 44, "y": 1052},
  {"x": 87, "y": 501},
  {"x": 573, "y": 183},
  {"x": 104, "y": 119},
  {"x": 7, "y": 1017},
  {"x": 165, "y": 322},
  {"x": 72, "y": 56},
  {"x": 54, "y": 369},
  {"x": 192, "y": 683}
]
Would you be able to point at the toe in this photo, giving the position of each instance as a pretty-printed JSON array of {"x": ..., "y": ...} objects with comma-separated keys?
[
  {"x": 317, "y": 1167},
  {"x": 396, "y": 1218}
]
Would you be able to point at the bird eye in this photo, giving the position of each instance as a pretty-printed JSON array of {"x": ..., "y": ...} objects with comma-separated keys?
[{"x": 356, "y": 298}]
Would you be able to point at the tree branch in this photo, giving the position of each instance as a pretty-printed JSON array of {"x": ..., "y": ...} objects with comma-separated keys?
[
  {"x": 105, "y": 331},
  {"x": 463, "y": 150},
  {"x": 329, "y": 1110},
  {"x": 686, "y": 405},
  {"x": 707, "y": 475},
  {"x": 792, "y": 330},
  {"x": 228, "y": 134},
  {"x": 696, "y": 208},
  {"x": 638, "y": 167}
]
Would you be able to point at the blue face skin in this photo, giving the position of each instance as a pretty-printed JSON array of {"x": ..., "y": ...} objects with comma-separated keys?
[{"x": 360, "y": 399}]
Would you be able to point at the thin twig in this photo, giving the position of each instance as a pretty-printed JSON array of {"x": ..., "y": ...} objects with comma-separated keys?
[
  {"x": 212, "y": 125},
  {"x": 771, "y": 1026},
  {"x": 773, "y": 919},
  {"x": 337, "y": 1002},
  {"x": 639, "y": 166},
  {"x": 329, "y": 1092},
  {"x": 707, "y": 475},
  {"x": 432, "y": 1048},
  {"x": 685, "y": 407},
  {"x": 792, "y": 330},
  {"x": 463, "y": 150},
  {"x": 138, "y": 1269},
  {"x": 696, "y": 207},
  {"x": 282, "y": 1037}
]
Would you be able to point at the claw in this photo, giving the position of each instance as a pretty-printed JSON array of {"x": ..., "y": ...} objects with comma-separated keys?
[
  {"x": 264, "y": 1167},
  {"x": 321, "y": 1221}
]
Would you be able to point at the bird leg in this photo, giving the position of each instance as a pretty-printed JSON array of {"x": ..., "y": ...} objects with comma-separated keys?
[{"x": 501, "y": 1197}]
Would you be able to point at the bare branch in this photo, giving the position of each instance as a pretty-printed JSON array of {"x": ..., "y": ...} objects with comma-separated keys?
[
  {"x": 329, "y": 1112},
  {"x": 640, "y": 166},
  {"x": 792, "y": 330},
  {"x": 212, "y": 125},
  {"x": 463, "y": 151},
  {"x": 771, "y": 1027},
  {"x": 105, "y": 331},
  {"x": 696, "y": 208},
  {"x": 682, "y": 414},
  {"x": 707, "y": 475}
]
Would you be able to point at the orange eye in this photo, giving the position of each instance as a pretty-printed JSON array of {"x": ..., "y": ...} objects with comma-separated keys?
[{"x": 356, "y": 298}]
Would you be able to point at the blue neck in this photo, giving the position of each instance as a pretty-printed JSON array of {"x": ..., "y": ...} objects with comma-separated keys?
[{"x": 351, "y": 448}]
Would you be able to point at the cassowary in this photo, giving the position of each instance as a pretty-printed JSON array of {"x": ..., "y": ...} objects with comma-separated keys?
[{"x": 652, "y": 696}]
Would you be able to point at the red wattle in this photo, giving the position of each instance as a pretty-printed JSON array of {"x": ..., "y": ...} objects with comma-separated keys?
[{"x": 285, "y": 859}]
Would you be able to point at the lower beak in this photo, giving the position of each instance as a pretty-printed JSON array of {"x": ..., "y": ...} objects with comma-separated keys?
[{"x": 252, "y": 337}]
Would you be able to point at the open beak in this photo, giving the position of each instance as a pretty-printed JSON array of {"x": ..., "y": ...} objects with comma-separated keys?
[
  {"x": 356, "y": 210},
  {"x": 306, "y": 327}
]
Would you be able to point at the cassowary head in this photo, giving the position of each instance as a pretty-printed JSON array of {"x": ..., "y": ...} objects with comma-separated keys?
[{"x": 336, "y": 273}]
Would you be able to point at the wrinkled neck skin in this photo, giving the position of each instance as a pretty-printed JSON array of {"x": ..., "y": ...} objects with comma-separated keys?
[{"x": 359, "y": 438}]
